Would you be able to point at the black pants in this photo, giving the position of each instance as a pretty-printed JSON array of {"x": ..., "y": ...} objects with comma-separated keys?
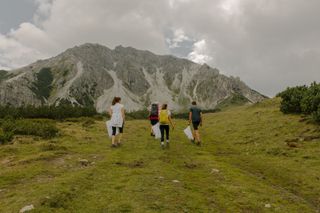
[
  {"x": 114, "y": 130},
  {"x": 162, "y": 129},
  {"x": 195, "y": 125}
]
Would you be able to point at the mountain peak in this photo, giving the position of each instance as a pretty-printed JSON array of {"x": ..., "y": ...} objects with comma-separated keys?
[{"x": 92, "y": 74}]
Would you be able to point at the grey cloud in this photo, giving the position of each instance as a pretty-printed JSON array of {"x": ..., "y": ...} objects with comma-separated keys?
[{"x": 270, "y": 44}]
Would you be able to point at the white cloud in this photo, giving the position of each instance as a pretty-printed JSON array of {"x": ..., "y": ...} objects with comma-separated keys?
[
  {"x": 43, "y": 11},
  {"x": 230, "y": 7},
  {"x": 60, "y": 24},
  {"x": 199, "y": 53},
  {"x": 14, "y": 54},
  {"x": 178, "y": 37}
]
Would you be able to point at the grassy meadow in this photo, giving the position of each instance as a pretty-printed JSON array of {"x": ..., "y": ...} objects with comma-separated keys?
[{"x": 253, "y": 159}]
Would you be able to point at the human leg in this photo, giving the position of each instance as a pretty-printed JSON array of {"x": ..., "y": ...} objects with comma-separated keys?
[
  {"x": 162, "y": 129},
  {"x": 114, "y": 130},
  {"x": 167, "y": 129},
  {"x": 120, "y": 135}
]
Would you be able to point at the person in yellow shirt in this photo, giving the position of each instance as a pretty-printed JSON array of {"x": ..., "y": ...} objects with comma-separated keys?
[{"x": 165, "y": 120}]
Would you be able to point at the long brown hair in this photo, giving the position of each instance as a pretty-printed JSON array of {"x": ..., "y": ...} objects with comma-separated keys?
[{"x": 116, "y": 100}]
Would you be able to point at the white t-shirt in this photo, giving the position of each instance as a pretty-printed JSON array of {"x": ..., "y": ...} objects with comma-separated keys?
[{"x": 116, "y": 117}]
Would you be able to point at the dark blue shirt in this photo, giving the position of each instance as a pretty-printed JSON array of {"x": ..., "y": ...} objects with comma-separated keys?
[{"x": 196, "y": 113}]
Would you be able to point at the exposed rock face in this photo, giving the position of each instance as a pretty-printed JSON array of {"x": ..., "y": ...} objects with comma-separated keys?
[{"x": 92, "y": 74}]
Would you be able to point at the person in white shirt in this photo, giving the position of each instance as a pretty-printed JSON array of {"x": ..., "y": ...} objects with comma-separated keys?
[{"x": 117, "y": 114}]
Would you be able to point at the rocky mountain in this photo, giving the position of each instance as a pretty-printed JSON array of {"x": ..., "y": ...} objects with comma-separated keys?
[{"x": 93, "y": 74}]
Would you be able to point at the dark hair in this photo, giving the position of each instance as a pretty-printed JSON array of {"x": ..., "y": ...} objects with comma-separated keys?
[
  {"x": 164, "y": 106},
  {"x": 116, "y": 100},
  {"x": 194, "y": 103}
]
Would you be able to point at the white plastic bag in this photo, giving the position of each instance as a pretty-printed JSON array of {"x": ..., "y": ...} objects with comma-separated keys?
[
  {"x": 109, "y": 129},
  {"x": 187, "y": 131},
  {"x": 156, "y": 131}
]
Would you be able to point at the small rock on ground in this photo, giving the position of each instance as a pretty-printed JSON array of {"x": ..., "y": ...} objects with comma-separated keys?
[
  {"x": 26, "y": 209},
  {"x": 214, "y": 171},
  {"x": 176, "y": 181},
  {"x": 267, "y": 205},
  {"x": 84, "y": 162}
]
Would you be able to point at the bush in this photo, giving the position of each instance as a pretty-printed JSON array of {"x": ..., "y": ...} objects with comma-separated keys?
[
  {"x": 88, "y": 122},
  {"x": 142, "y": 114},
  {"x": 316, "y": 115},
  {"x": 42, "y": 128},
  {"x": 311, "y": 100},
  {"x": 49, "y": 112},
  {"x": 5, "y": 137},
  {"x": 291, "y": 99},
  {"x": 302, "y": 99}
]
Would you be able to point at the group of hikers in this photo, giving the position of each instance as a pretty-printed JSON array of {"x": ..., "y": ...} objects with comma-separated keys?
[{"x": 159, "y": 116}]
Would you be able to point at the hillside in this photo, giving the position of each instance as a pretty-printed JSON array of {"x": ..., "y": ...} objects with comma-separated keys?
[
  {"x": 92, "y": 74},
  {"x": 253, "y": 159}
]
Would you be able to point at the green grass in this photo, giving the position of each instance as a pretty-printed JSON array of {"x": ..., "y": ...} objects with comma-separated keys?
[{"x": 246, "y": 144}]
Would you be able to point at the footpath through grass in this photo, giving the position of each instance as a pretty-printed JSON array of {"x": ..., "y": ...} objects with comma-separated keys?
[{"x": 253, "y": 159}]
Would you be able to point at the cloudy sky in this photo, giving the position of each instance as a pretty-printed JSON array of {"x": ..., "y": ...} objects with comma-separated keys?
[{"x": 269, "y": 44}]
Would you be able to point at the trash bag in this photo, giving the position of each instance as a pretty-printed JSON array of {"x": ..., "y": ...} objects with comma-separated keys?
[
  {"x": 109, "y": 129},
  {"x": 156, "y": 131},
  {"x": 187, "y": 131}
]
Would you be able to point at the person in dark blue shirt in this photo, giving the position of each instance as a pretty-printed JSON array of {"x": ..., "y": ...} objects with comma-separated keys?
[{"x": 195, "y": 117}]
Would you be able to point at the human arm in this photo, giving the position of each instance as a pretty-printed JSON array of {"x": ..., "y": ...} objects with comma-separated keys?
[
  {"x": 170, "y": 120},
  {"x": 201, "y": 118},
  {"x": 123, "y": 114},
  {"x": 110, "y": 111}
]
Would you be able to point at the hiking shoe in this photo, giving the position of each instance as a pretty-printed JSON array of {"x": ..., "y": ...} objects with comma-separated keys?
[
  {"x": 152, "y": 135},
  {"x": 192, "y": 141},
  {"x": 118, "y": 144},
  {"x": 168, "y": 144},
  {"x": 113, "y": 146},
  {"x": 199, "y": 143}
]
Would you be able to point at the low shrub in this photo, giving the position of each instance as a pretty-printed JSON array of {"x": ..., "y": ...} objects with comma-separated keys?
[
  {"x": 142, "y": 114},
  {"x": 302, "y": 99},
  {"x": 311, "y": 100},
  {"x": 316, "y": 115},
  {"x": 42, "y": 128},
  {"x": 6, "y": 137},
  {"x": 88, "y": 122},
  {"x": 48, "y": 112},
  {"x": 291, "y": 99}
]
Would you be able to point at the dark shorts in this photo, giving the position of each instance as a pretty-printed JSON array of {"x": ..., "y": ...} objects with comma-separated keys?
[
  {"x": 195, "y": 125},
  {"x": 154, "y": 122},
  {"x": 114, "y": 129}
]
